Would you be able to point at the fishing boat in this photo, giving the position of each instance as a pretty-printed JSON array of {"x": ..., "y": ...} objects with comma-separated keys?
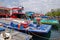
[
  {"x": 46, "y": 20},
  {"x": 50, "y": 21},
  {"x": 29, "y": 26},
  {"x": 4, "y": 12}
]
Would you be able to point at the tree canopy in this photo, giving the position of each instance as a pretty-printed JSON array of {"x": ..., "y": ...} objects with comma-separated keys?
[{"x": 53, "y": 12}]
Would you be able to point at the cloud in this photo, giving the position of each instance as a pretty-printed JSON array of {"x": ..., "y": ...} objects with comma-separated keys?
[
  {"x": 34, "y": 5},
  {"x": 40, "y": 6}
]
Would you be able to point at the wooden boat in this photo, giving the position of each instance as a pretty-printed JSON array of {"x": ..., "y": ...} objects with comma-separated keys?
[
  {"x": 46, "y": 21},
  {"x": 29, "y": 26}
]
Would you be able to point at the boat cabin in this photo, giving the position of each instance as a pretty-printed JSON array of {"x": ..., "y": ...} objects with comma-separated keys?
[{"x": 4, "y": 12}]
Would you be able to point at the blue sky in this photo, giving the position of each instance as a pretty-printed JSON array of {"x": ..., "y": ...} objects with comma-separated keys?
[{"x": 40, "y": 6}]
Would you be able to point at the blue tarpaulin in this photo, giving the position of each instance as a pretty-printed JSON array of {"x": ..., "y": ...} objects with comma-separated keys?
[{"x": 29, "y": 13}]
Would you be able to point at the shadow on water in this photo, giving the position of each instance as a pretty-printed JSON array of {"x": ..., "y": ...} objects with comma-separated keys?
[{"x": 46, "y": 35}]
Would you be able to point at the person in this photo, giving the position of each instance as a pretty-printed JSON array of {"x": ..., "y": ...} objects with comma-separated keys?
[{"x": 38, "y": 20}]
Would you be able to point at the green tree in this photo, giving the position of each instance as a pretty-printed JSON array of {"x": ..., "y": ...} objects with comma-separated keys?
[{"x": 53, "y": 12}]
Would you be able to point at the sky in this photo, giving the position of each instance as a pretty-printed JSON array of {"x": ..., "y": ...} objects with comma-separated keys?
[{"x": 38, "y": 6}]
